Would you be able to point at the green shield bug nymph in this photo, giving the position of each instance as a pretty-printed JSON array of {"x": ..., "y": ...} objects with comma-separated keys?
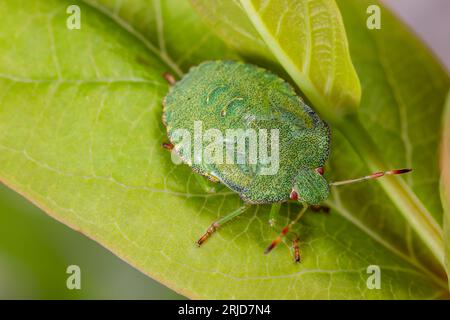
[{"x": 254, "y": 105}]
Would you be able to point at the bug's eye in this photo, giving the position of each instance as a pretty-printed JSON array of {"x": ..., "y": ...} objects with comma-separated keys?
[
  {"x": 320, "y": 170},
  {"x": 293, "y": 195}
]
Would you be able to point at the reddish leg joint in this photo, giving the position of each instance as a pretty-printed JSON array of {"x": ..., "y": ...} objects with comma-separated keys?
[
  {"x": 169, "y": 78},
  {"x": 320, "y": 209},
  {"x": 296, "y": 250},
  {"x": 208, "y": 233},
  {"x": 277, "y": 240},
  {"x": 167, "y": 145}
]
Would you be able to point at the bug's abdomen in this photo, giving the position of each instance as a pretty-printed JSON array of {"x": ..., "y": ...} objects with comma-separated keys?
[{"x": 226, "y": 95}]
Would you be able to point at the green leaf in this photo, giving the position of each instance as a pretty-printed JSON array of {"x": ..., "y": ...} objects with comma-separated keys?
[
  {"x": 445, "y": 180},
  {"x": 163, "y": 25},
  {"x": 306, "y": 37},
  {"x": 81, "y": 134},
  {"x": 33, "y": 264}
]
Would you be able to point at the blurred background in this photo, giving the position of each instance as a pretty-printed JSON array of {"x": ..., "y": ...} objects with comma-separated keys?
[
  {"x": 35, "y": 250},
  {"x": 430, "y": 20}
]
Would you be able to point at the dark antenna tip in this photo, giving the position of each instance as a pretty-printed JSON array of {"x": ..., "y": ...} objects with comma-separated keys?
[
  {"x": 374, "y": 175},
  {"x": 400, "y": 171}
]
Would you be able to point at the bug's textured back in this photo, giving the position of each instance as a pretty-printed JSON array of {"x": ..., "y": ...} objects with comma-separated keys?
[{"x": 233, "y": 95}]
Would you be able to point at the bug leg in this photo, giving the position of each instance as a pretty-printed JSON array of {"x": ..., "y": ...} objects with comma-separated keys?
[
  {"x": 285, "y": 230},
  {"x": 169, "y": 78},
  {"x": 167, "y": 145},
  {"x": 273, "y": 215},
  {"x": 216, "y": 224},
  {"x": 296, "y": 249},
  {"x": 205, "y": 184},
  {"x": 320, "y": 208}
]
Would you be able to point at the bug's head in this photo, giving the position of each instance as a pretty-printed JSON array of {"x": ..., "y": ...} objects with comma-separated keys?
[{"x": 310, "y": 186}]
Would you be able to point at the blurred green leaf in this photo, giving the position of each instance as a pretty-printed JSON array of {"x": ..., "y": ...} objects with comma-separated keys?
[
  {"x": 36, "y": 250},
  {"x": 80, "y": 135},
  {"x": 445, "y": 180}
]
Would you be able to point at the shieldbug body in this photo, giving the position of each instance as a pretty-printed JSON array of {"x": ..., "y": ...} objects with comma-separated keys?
[{"x": 224, "y": 95}]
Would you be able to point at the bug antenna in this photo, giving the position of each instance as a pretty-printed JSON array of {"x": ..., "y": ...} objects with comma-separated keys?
[{"x": 374, "y": 175}]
